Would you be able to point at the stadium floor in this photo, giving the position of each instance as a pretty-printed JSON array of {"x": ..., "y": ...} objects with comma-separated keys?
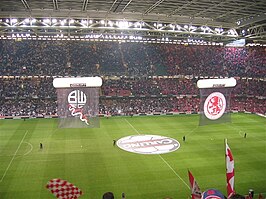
[{"x": 88, "y": 159}]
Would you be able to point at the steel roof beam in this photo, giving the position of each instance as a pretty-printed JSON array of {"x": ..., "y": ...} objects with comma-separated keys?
[
  {"x": 85, "y": 5},
  {"x": 26, "y": 5},
  {"x": 153, "y": 6},
  {"x": 55, "y": 3}
]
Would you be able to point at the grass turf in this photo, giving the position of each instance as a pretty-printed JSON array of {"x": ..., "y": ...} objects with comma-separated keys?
[{"x": 98, "y": 167}]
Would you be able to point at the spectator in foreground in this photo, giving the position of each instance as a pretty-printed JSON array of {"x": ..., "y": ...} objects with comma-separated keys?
[
  {"x": 212, "y": 193},
  {"x": 108, "y": 195}
]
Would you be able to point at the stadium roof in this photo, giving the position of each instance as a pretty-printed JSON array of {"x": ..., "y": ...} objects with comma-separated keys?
[{"x": 212, "y": 20}]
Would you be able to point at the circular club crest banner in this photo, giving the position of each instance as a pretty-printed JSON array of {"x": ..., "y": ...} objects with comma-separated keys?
[
  {"x": 214, "y": 106},
  {"x": 148, "y": 144}
]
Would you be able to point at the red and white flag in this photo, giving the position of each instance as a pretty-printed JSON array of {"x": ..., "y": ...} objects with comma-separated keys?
[
  {"x": 63, "y": 189},
  {"x": 230, "y": 171},
  {"x": 195, "y": 190}
]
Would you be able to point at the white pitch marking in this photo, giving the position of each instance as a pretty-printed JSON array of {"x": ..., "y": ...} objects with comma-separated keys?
[
  {"x": 13, "y": 157},
  {"x": 240, "y": 133},
  {"x": 174, "y": 171},
  {"x": 161, "y": 157},
  {"x": 133, "y": 127},
  {"x": 31, "y": 147},
  {"x": 237, "y": 129}
]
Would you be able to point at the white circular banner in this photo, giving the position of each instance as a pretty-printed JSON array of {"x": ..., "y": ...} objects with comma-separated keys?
[
  {"x": 148, "y": 144},
  {"x": 214, "y": 106}
]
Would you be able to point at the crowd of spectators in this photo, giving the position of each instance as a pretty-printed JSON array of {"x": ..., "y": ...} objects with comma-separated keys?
[
  {"x": 27, "y": 87},
  {"x": 149, "y": 86},
  {"x": 149, "y": 105},
  {"x": 28, "y": 107},
  {"x": 32, "y": 96},
  {"x": 250, "y": 87},
  {"x": 79, "y": 58},
  {"x": 42, "y": 87},
  {"x": 136, "y": 75}
]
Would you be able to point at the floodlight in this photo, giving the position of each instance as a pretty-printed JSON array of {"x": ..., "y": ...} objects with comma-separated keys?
[
  {"x": 231, "y": 32},
  {"x": 62, "y": 22},
  {"x": 193, "y": 27},
  {"x": 14, "y": 20},
  {"x": 27, "y": 20},
  {"x": 110, "y": 23},
  {"x": 47, "y": 21},
  {"x": 137, "y": 24},
  {"x": 83, "y": 21},
  {"x": 123, "y": 24}
]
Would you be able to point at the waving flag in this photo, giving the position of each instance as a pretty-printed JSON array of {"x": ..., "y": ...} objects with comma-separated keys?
[
  {"x": 195, "y": 190},
  {"x": 230, "y": 171},
  {"x": 63, "y": 189}
]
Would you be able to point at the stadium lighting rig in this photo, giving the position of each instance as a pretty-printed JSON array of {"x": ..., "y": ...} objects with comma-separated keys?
[{"x": 47, "y": 28}]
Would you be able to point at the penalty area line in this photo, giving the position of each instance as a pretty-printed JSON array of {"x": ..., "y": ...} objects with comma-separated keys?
[
  {"x": 161, "y": 157},
  {"x": 13, "y": 157}
]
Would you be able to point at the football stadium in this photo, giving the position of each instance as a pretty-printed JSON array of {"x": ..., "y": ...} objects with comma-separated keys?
[{"x": 135, "y": 100}]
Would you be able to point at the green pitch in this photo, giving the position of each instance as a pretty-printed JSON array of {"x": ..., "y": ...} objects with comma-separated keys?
[{"x": 88, "y": 159}]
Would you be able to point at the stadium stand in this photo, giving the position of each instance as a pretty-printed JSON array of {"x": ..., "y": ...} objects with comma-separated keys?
[
  {"x": 34, "y": 96},
  {"x": 111, "y": 58},
  {"x": 28, "y": 68}
]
